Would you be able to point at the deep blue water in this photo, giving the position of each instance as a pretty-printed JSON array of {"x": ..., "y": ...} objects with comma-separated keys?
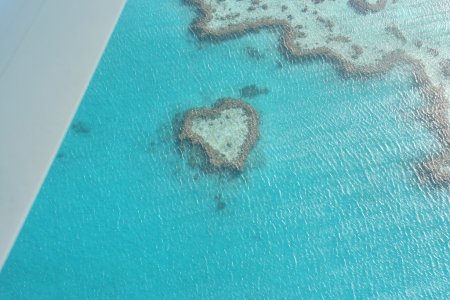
[{"x": 328, "y": 207}]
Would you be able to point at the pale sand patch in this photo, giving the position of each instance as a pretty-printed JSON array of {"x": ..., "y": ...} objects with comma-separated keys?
[{"x": 225, "y": 133}]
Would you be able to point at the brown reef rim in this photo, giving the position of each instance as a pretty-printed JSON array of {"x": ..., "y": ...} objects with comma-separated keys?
[
  {"x": 216, "y": 159},
  {"x": 434, "y": 113}
]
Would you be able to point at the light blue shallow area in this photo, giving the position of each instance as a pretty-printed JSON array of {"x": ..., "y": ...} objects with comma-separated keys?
[{"x": 329, "y": 205}]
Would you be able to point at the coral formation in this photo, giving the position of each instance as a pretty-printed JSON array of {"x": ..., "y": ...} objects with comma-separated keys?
[
  {"x": 251, "y": 91},
  {"x": 226, "y": 132},
  {"x": 364, "y": 6},
  {"x": 330, "y": 30}
]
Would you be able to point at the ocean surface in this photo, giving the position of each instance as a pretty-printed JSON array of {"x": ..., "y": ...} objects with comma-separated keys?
[{"x": 329, "y": 205}]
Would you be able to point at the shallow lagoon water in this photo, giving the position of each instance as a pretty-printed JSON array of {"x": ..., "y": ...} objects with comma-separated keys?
[{"x": 328, "y": 206}]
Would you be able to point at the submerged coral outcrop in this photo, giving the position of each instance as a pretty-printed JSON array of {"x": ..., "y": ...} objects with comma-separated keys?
[{"x": 365, "y": 6}]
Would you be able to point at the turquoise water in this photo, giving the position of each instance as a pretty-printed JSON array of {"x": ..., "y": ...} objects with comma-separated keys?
[{"x": 328, "y": 207}]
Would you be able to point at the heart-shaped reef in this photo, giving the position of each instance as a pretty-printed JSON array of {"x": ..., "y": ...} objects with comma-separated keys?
[{"x": 227, "y": 132}]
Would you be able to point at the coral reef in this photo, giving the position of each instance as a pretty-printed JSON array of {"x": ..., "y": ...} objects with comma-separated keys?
[
  {"x": 226, "y": 132},
  {"x": 314, "y": 30}
]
